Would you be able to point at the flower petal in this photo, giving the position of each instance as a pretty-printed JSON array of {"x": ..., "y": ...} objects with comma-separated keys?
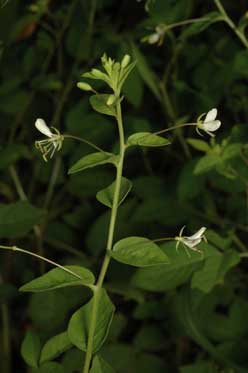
[
  {"x": 198, "y": 234},
  {"x": 41, "y": 126},
  {"x": 153, "y": 38},
  {"x": 191, "y": 242},
  {"x": 211, "y": 125},
  {"x": 211, "y": 115}
]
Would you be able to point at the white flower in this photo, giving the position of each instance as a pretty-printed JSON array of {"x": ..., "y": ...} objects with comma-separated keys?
[
  {"x": 210, "y": 124},
  {"x": 191, "y": 242},
  {"x": 50, "y": 145},
  {"x": 158, "y": 36}
]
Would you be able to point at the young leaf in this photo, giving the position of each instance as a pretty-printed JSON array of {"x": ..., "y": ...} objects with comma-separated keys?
[
  {"x": 199, "y": 145},
  {"x": 139, "y": 252},
  {"x": 101, "y": 366},
  {"x": 99, "y": 104},
  {"x": 92, "y": 160},
  {"x": 17, "y": 219},
  {"x": 78, "y": 328},
  {"x": 30, "y": 349},
  {"x": 55, "y": 347},
  {"x": 105, "y": 196},
  {"x": 206, "y": 163},
  {"x": 58, "y": 278},
  {"x": 146, "y": 139}
]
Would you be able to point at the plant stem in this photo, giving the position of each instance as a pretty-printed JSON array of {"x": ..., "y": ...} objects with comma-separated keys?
[
  {"x": 84, "y": 141},
  {"x": 230, "y": 23},
  {"x": 17, "y": 183},
  {"x": 15, "y": 248},
  {"x": 107, "y": 258}
]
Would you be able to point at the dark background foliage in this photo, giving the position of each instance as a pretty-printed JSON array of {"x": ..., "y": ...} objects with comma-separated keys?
[{"x": 191, "y": 317}]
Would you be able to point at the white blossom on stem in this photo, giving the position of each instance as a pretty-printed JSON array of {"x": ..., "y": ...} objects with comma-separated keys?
[{"x": 47, "y": 147}]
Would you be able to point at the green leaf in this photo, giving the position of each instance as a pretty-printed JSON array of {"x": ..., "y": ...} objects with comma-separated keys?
[
  {"x": 58, "y": 278},
  {"x": 79, "y": 323},
  {"x": 145, "y": 71},
  {"x": 50, "y": 367},
  {"x": 99, "y": 104},
  {"x": 101, "y": 366},
  {"x": 17, "y": 219},
  {"x": 92, "y": 160},
  {"x": 214, "y": 270},
  {"x": 199, "y": 145},
  {"x": 55, "y": 347},
  {"x": 176, "y": 273},
  {"x": 30, "y": 349},
  {"x": 206, "y": 163},
  {"x": 146, "y": 139},
  {"x": 139, "y": 252},
  {"x": 106, "y": 196}
]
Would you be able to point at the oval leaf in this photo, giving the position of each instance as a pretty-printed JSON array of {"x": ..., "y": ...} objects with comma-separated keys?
[
  {"x": 58, "y": 278},
  {"x": 79, "y": 324},
  {"x": 92, "y": 160},
  {"x": 30, "y": 349},
  {"x": 139, "y": 252},
  {"x": 55, "y": 347},
  {"x": 146, "y": 139},
  {"x": 106, "y": 196},
  {"x": 101, "y": 366},
  {"x": 99, "y": 104}
]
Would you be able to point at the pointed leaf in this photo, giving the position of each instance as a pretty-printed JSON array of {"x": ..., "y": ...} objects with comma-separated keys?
[
  {"x": 101, "y": 366},
  {"x": 146, "y": 139},
  {"x": 58, "y": 278},
  {"x": 55, "y": 347},
  {"x": 199, "y": 145},
  {"x": 30, "y": 349},
  {"x": 99, "y": 104},
  {"x": 92, "y": 160},
  {"x": 139, "y": 252},
  {"x": 106, "y": 196},
  {"x": 206, "y": 163},
  {"x": 79, "y": 323}
]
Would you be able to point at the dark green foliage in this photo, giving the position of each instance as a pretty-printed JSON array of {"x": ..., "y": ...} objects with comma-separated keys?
[{"x": 181, "y": 313}]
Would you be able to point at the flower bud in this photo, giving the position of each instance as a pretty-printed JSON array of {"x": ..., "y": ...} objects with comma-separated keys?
[
  {"x": 125, "y": 61},
  {"x": 110, "y": 100},
  {"x": 84, "y": 86}
]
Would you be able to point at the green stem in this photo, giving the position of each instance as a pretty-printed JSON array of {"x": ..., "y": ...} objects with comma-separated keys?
[
  {"x": 17, "y": 183},
  {"x": 231, "y": 24},
  {"x": 52, "y": 182},
  {"x": 84, "y": 141},
  {"x": 107, "y": 258},
  {"x": 15, "y": 248}
]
